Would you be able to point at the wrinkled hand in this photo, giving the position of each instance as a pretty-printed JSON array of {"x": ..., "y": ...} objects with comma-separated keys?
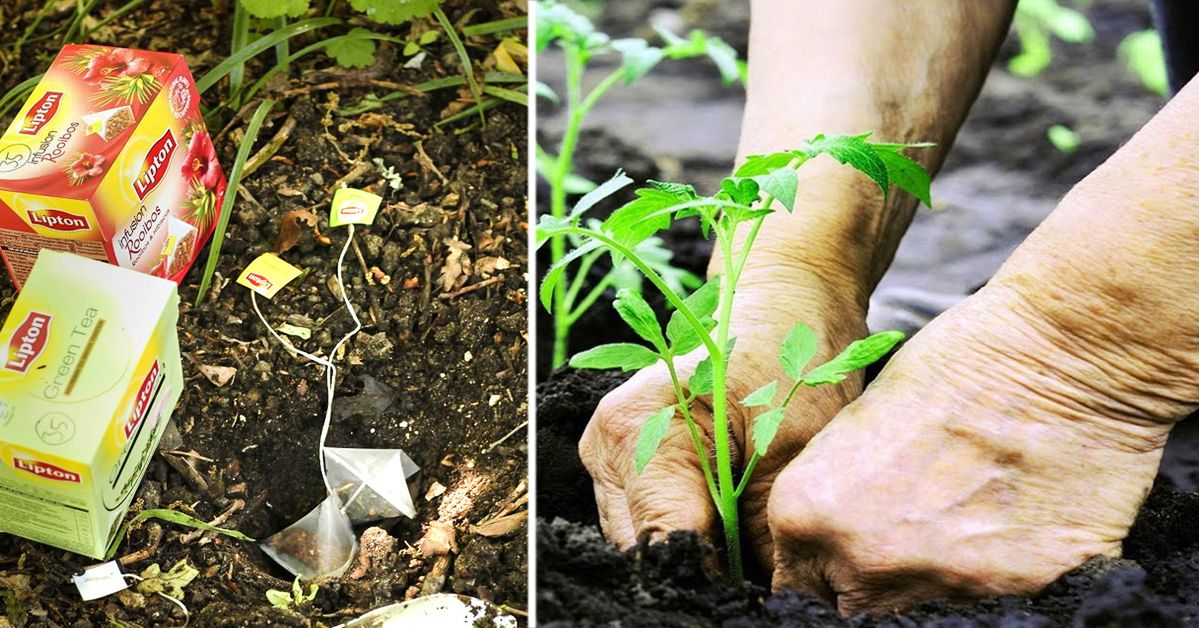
[
  {"x": 986, "y": 459},
  {"x": 671, "y": 493}
]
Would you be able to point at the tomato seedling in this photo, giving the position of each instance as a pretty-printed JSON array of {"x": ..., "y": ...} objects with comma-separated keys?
[
  {"x": 580, "y": 44},
  {"x": 701, "y": 321}
]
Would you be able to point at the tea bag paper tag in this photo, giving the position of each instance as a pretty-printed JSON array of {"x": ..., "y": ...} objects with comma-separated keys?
[
  {"x": 267, "y": 275},
  {"x": 353, "y": 206},
  {"x": 101, "y": 580}
]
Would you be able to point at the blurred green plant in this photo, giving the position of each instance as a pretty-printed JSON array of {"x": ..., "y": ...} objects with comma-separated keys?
[
  {"x": 1063, "y": 138},
  {"x": 1142, "y": 53},
  {"x": 581, "y": 43},
  {"x": 1036, "y": 23}
]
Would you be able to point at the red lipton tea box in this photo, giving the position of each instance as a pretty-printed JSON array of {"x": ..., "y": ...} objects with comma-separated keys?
[{"x": 110, "y": 159}]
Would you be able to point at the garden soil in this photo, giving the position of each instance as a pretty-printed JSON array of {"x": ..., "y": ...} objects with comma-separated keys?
[
  {"x": 439, "y": 369},
  {"x": 1001, "y": 179}
]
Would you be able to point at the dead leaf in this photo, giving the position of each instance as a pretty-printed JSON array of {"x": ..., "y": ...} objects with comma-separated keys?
[
  {"x": 438, "y": 540},
  {"x": 457, "y": 265},
  {"x": 501, "y": 526},
  {"x": 289, "y": 229},
  {"x": 155, "y": 580},
  {"x": 487, "y": 266},
  {"x": 507, "y": 53},
  {"x": 436, "y": 489},
  {"x": 218, "y": 375}
]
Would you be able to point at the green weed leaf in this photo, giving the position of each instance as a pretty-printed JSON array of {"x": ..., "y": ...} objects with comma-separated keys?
[
  {"x": 763, "y": 396},
  {"x": 642, "y": 217},
  {"x": 558, "y": 271},
  {"x": 353, "y": 52},
  {"x": 652, "y": 432},
  {"x": 266, "y": 9},
  {"x": 549, "y": 226},
  {"x": 625, "y": 356},
  {"x": 797, "y": 350},
  {"x": 766, "y": 426},
  {"x": 640, "y": 317},
  {"x": 637, "y": 58},
  {"x": 859, "y": 354},
  {"x": 556, "y": 21},
  {"x": 395, "y": 11}
]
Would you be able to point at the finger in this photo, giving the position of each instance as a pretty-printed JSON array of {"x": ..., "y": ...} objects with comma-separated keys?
[
  {"x": 615, "y": 521},
  {"x": 804, "y": 542}
]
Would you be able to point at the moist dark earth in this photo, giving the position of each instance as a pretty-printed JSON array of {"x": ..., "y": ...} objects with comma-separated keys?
[
  {"x": 1002, "y": 165},
  {"x": 439, "y": 369}
]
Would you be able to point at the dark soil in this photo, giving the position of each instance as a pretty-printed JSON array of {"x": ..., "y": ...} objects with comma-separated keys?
[
  {"x": 438, "y": 371},
  {"x": 584, "y": 581}
]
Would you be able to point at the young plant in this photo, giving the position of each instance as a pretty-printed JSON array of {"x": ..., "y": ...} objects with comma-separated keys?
[
  {"x": 1142, "y": 53},
  {"x": 702, "y": 320},
  {"x": 294, "y": 598},
  {"x": 1035, "y": 22},
  {"x": 581, "y": 43}
]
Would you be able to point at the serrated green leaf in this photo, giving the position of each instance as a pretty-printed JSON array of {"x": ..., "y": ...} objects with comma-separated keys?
[
  {"x": 395, "y": 11},
  {"x": 683, "y": 337},
  {"x": 700, "y": 382},
  {"x": 637, "y": 57},
  {"x": 556, "y": 272},
  {"x": 618, "y": 182},
  {"x": 641, "y": 218},
  {"x": 266, "y": 9},
  {"x": 640, "y": 317},
  {"x": 725, "y": 59},
  {"x": 859, "y": 354},
  {"x": 763, "y": 396},
  {"x": 740, "y": 190},
  {"x": 797, "y": 350},
  {"x": 353, "y": 52},
  {"x": 757, "y": 165},
  {"x": 654, "y": 252},
  {"x": 681, "y": 191},
  {"x": 782, "y": 184},
  {"x": 906, "y": 174},
  {"x": 855, "y": 152},
  {"x": 766, "y": 426},
  {"x": 625, "y": 356},
  {"x": 652, "y": 432}
]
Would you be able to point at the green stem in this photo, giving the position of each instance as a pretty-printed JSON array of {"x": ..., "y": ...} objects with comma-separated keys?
[
  {"x": 576, "y": 284},
  {"x": 753, "y": 460},
  {"x": 685, "y": 406},
  {"x": 283, "y": 48},
  {"x": 720, "y": 417},
  {"x": 468, "y": 69},
  {"x": 589, "y": 300}
]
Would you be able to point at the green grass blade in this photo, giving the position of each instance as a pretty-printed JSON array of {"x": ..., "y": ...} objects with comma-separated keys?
[
  {"x": 170, "y": 516},
  {"x": 115, "y": 15},
  {"x": 509, "y": 95},
  {"x": 239, "y": 164},
  {"x": 17, "y": 95},
  {"x": 498, "y": 26},
  {"x": 468, "y": 69},
  {"x": 267, "y": 41}
]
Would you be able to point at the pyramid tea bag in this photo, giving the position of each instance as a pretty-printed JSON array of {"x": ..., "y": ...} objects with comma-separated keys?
[
  {"x": 371, "y": 483},
  {"x": 320, "y": 544}
]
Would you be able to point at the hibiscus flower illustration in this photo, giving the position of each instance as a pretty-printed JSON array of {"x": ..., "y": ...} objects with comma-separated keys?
[
  {"x": 201, "y": 164},
  {"x": 114, "y": 64},
  {"x": 84, "y": 167}
]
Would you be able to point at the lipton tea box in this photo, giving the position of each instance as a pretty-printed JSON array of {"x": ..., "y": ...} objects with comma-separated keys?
[
  {"x": 110, "y": 159},
  {"x": 89, "y": 378}
]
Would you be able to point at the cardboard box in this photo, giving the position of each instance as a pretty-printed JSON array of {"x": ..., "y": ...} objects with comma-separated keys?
[
  {"x": 90, "y": 376},
  {"x": 110, "y": 159}
]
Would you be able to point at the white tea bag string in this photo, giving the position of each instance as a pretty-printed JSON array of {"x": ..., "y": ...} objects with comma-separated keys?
[{"x": 330, "y": 367}]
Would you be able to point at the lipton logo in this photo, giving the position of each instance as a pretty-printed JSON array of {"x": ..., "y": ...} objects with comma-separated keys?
[
  {"x": 353, "y": 209},
  {"x": 45, "y": 470},
  {"x": 141, "y": 406},
  {"x": 154, "y": 167},
  {"x": 259, "y": 281},
  {"x": 40, "y": 113},
  {"x": 28, "y": 342},
  {"x": 57, "y": 219}
]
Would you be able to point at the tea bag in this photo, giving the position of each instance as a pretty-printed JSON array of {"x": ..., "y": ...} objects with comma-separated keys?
[
  {"x": 320, "y": 544},
  {"x": 371, "y": 483}
]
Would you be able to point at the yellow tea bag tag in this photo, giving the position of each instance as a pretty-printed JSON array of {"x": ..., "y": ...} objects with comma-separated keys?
[
  {"x": 353, "y": 206},
  {"x": 267, "y": 275},
  {"x": 169, "y": 248}
]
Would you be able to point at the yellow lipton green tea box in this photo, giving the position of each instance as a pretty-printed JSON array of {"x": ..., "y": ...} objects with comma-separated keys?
[
  {"x": 90, "y": 375},
  {"x": 110, "y": 159}
]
